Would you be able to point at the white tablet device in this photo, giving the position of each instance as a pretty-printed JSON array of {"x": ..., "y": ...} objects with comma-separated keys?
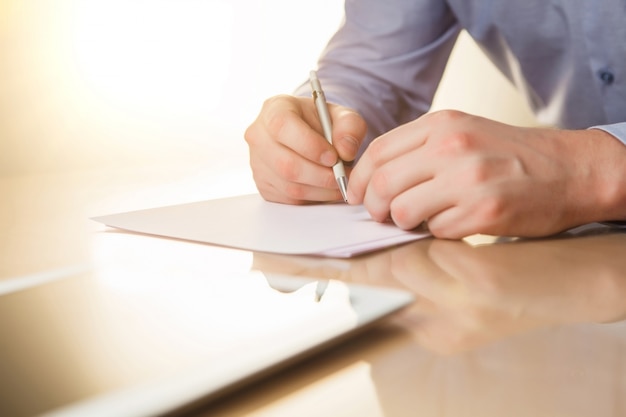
[{"x": 103, "y": 344}]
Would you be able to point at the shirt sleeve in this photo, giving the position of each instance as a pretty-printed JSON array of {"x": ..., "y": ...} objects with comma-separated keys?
[
  {"x": 386, "y": 60},
  {"x": 617, "y": 129}
]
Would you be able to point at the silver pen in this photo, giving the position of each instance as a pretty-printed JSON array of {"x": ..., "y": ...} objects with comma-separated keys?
[{"x": 324, "y": 115}]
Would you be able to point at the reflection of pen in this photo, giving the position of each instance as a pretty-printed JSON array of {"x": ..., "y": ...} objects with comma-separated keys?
[
  {"x": 320, "y": 289},
  {"x": 322, "y": 111}
]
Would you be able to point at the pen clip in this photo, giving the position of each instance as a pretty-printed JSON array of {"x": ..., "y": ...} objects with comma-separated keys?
[{"x": 316, "y": 86}]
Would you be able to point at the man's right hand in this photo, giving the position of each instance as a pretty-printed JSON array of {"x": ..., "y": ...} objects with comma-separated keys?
[{"x": 291, "y": 160}]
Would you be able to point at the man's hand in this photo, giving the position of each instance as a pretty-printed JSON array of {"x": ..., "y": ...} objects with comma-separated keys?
[
  {"x": 465, "y": 175},
  {"x": 291, "y": 160}
]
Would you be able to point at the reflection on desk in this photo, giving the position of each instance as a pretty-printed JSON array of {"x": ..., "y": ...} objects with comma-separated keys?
[
  {"x": 499, "y": 329},
  {"x": 505, "y": 329},
  {"x": 470, "y": 295}
]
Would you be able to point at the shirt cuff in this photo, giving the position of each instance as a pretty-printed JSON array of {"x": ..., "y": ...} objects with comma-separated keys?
[{"x": 616, "y": 129}]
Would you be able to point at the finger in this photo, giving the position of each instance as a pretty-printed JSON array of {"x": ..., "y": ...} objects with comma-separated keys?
[
  {"x": 382, "y": 150},
  {"x": 411, "y": 265},
  {"x": 296, "y": 181},
  {"x": 284, "y": 121},
  {"x": 454, "y": 223},
  {"x": 393, "y": 178},
  {"x": 269, "y": 154},
  {"x": 474, "y": 269},
  {"x": 418, "y": 204},
  {"x": 420, "y": 274},
  {"x": 270, "y": 192},
  {"x": 349, "y": 130}
]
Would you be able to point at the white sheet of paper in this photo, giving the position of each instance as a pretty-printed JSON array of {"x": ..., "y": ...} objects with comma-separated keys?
[{"x": 251, "y": 223}]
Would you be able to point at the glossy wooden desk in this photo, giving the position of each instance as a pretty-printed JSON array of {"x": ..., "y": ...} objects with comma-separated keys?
[{"x": 499, "y": 328}]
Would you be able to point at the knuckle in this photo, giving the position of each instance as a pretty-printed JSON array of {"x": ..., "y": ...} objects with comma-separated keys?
[
  {"x": 376, "y": 151},
  {"x": 287, "y": 168},
  {"x": 328, "y": 180},
  {"x": 377, "y": 212},
  {"x": 276, "y": 121},
  {"x": 436, "y": 229},
  {"x": 379, "y": 215},
  {"x": 251, "y": 135},
  {"x": 453, "y": 145},
  {"x": 448, "y": 116},
  {"x": 457, "y": 143},
  {"x": 477, "y": 173},
  {"x": 492, "y": 209},
  {"x": 402, "y": 215},
  {"x": 267, "y": 195},
  {"x": 380, "y": 183},
  {"x": 443, "y": 231},
  {"x": 349, "y": 117},
  {"x": 295, "y": 192},
  {"x": 276, "y": 113},
  {"x": 275, "y": 101}
]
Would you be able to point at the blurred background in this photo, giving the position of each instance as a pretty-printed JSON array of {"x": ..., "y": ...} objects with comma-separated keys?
[{"x": 101, "y": 83}]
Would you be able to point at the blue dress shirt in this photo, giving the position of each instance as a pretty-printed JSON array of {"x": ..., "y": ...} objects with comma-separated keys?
[{"x": 567, "y": 57}]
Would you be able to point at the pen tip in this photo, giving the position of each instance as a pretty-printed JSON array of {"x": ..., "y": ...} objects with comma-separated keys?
[{"x": 343, "y": 187}]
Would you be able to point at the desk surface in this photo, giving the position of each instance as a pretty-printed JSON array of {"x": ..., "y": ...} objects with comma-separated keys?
[{"x": 500, "y": 327}]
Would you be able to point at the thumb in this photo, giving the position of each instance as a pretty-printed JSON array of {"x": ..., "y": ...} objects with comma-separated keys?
[{"x": 349, "y": 130}]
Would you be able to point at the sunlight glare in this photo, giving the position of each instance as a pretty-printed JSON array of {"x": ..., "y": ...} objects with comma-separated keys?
[{"x": 154, "y": 56}]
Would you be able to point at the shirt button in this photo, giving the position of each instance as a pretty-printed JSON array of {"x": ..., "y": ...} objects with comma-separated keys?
[{"x": 606, "y": 76}]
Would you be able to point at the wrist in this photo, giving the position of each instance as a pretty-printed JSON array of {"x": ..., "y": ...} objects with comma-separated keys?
[{"x": 608, "y": 156}]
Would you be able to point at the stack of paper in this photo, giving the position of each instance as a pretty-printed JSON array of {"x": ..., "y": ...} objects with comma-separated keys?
[{"x": 251, "y": 223}]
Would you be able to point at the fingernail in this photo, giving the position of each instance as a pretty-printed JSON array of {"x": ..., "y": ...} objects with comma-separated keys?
[
  {"x": 351, "y": 144},
  {"x": 329, "y": 158}
]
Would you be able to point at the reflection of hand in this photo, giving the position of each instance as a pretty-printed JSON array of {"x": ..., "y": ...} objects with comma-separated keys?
[
  {"x": 471, "y": 295},
  {"x": 289, "y": 157},
  {"x": 467, "y": 175}
]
